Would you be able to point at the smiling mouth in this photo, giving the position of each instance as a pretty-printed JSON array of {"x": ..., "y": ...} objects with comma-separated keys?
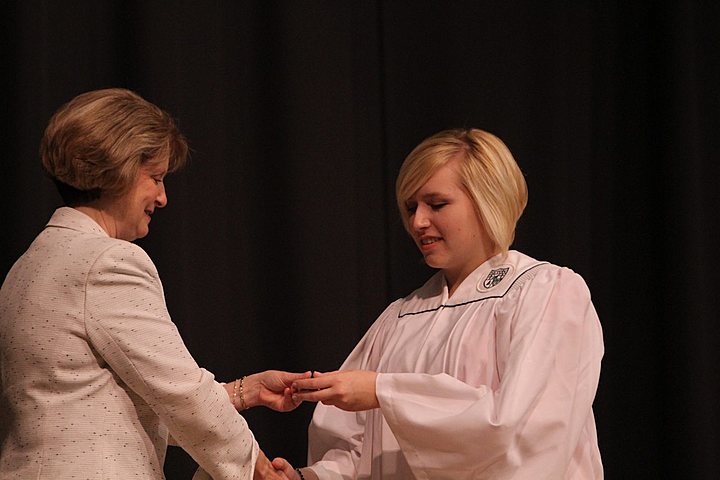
[{"x": 429, "y": 241}]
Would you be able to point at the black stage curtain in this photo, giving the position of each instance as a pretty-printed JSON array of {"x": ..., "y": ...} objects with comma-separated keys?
[{"x": 281, "y": 242}]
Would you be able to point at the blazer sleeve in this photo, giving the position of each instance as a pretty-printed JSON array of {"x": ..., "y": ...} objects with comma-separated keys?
[{"x": 128, "y": 324}]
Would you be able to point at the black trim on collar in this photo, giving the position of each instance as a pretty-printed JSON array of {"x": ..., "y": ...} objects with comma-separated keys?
[{"x": 400, "y": 315}]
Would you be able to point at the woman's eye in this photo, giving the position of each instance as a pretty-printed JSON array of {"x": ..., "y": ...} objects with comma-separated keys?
[
  {"x": 438, "y": 206},
  {"x": 411, "y": 209}
]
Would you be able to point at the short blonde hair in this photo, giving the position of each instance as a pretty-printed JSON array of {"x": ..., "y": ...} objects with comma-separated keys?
[
  {"x": 96, "y": 143},
  {"x": 488, "y": 172}
]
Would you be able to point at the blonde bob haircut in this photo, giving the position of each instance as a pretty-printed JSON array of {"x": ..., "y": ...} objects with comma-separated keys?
[
  {"x": 488, "y": 173},
  {"x": 97, "y": 142}
]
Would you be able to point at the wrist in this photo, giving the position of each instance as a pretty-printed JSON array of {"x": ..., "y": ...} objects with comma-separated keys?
[
  {"x": 239, "y": 400},
  {"x": 250, "y": 391},
  {"x": 306, "y": 474}
]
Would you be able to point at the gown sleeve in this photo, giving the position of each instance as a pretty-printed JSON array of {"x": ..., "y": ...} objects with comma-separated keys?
[
  {"x": 129, "y": 326},
  {"x": 549, "y": 348},
  {"x": 335, "y": 437}
]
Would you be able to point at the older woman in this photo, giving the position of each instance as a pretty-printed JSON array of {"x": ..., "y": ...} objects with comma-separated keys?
[
  {"x": 95, "y": 377},
  {"x": 489, "y": 370}
]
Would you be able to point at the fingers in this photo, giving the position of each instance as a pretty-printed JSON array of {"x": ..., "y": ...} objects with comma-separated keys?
[
  {"x": 293, "y": 400},
  {"x": 283, "y": 466},
  {"x": 317, "y": 382},
  {"x": 263, "y": 468},
  {"x": 280, "y": 463},
  {"x": 312, "y": 396},
  {"x": 318, "y": 389},
  {"x": 349, "y": 390},
  {"x": 276, "y": 380},
  {"x": 291, "y": 377},
  {"x": 284, "y": 379},
  {"x": 327, "y": 390},
  {"x": 295, "y": 375},
  {"x": 320, "y": 380},
  {"x": 309, "y": 384}
]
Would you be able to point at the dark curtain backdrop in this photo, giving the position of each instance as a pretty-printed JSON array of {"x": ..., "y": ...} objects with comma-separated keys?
[{"x": 281, "y": 242}]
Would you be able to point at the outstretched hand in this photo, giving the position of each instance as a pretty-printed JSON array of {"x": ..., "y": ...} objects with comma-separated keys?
[
  {"x": 271, "y": 388},
  {"x": 264, "y": 470},
  {"x": 351, "y": 390},
  {"x": 282, "y": 465}
]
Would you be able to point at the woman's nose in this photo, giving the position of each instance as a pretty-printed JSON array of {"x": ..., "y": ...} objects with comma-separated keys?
[
  {"x": 161, "y": 199},
  {"x": 420, "y": 219}
]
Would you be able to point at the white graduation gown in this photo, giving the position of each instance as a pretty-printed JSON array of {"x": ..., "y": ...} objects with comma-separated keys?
[{"x": 496, "y": 382}]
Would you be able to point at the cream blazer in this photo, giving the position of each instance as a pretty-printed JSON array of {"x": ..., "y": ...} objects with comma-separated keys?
[{"x": 94, "y": 375}]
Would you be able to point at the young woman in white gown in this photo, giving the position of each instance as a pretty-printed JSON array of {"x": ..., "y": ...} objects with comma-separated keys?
[{"x": 489, "y": 370}]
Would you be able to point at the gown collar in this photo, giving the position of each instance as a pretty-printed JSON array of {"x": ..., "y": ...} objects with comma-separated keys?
[{"x": 492, "y": 279}]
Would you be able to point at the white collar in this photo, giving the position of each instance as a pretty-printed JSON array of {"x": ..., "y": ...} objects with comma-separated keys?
[{"x": 492, "y": 279}]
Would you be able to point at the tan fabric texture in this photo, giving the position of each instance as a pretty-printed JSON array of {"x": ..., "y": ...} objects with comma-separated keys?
[{"x": 95, "y": 376}]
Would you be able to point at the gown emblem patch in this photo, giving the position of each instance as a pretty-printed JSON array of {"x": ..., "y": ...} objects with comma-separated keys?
[{"x": 495, "y": 276}]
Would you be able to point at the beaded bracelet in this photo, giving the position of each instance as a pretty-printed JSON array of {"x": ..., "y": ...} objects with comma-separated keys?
[
  {"x": 302, "y": 477},
  {"x": 239, "y": 387}
]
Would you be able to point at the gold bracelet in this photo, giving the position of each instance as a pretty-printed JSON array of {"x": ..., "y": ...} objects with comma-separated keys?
[
  {"x": 238, "y": 387},
  {"x": 242, "y": 395},
  {"x": 235, "y": 391}
]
